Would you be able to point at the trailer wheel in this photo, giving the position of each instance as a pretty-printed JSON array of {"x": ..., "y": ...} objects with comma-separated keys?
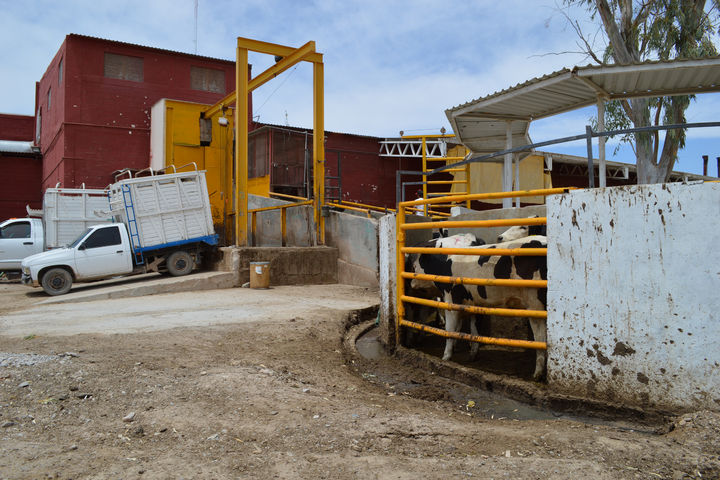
[
  {"x": 56, "y": 281},
  {"x": 180, "y": 263}
]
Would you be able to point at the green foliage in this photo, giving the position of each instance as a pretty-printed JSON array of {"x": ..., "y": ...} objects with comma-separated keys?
[{"x": 652, "y": 30}]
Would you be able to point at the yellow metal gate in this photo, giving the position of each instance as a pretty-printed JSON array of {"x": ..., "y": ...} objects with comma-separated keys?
[{"x": 402, "y": 250}]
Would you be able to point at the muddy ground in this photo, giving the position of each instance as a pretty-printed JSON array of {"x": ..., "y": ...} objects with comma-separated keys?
[{"x": 279, "y": 395}]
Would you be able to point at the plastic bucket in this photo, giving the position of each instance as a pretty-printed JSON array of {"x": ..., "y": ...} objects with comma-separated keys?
[{"x": 259, "y": 274}]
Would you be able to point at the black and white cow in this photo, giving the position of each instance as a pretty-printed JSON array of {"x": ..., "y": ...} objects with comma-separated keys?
[
  {"x": 520, "y": 231},
  {"x": 430, "y": 315},
  {"x": 494, "y": 266}
]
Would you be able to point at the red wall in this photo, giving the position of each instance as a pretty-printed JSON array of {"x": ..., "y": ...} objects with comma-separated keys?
[
  {"x": 20, "y": 180},
  {"x": 97, "y": 125},
  {"x": 16, "y": 127},
  {"x": 19, "y": 185}
]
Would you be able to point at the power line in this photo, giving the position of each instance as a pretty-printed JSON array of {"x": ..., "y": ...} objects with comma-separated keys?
[{"x": 278, "y": 88}]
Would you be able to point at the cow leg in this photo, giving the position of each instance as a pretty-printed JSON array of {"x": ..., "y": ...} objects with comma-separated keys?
[
  {"x": 539, "y": 330},
  {"x": 474, "y": 346},
  {"x": 453, "y": 322}
]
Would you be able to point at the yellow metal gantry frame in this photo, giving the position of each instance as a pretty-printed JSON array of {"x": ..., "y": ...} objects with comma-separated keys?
[{"x": 243, "y": 87}]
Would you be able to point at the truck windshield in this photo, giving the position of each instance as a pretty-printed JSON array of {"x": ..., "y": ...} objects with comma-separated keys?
[{"x": 79, "y": 239}]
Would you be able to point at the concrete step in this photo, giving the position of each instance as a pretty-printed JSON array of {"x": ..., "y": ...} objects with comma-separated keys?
[
  {"x": 288, "y": 265},
  {"x": 141, "y": 285}
]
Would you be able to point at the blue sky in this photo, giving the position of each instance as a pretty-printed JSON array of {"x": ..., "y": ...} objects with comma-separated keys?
[{"x": 389, "y": 65}]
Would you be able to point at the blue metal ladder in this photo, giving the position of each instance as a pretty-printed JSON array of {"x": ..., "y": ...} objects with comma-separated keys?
[{"x": 132, "y": 225}]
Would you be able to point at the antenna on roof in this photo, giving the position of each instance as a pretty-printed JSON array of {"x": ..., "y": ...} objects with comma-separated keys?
[{"x": 196, "y": 10}]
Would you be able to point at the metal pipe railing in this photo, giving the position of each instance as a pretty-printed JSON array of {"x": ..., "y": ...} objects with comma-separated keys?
[
  {"x": 283, "y": 219},
  {"x": 402, "y": 250}
]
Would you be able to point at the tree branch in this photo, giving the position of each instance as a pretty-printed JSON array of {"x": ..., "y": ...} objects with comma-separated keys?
[{"x": 620, "y": 50}]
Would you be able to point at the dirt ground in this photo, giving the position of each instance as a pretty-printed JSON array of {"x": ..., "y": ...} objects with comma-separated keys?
[{"x": 281, "y": 395}]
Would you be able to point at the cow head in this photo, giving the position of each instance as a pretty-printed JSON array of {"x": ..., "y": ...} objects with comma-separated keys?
[{"x": 520, "y": 231}]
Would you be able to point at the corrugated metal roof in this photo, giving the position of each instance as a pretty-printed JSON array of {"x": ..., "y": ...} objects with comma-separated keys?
[
  {"x": 134, "y": 45},
  {"x": 480, "y": 124},
  {"x": 14, "y": 146},
  {"x": 307, "y": 130}
]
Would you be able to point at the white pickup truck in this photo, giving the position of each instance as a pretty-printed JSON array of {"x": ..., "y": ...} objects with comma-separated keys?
[
  {"x": 66, "y": 213},
  {"x": 19, "y": 238},
  {"x": 163, "y": 224}
]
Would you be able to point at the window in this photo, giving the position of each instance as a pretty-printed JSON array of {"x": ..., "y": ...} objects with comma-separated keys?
[
  {"x": 16, "y": 230},
  {"x": 207, "y": 79},
  {"x": 123, "y": 67},
  {"x": 103, "y": 237},
  {"x": 49, "y": 92},
  {"x": 60, "y": 71}
]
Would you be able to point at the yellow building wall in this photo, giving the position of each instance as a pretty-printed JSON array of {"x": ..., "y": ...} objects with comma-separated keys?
[
  {"x": 182, "y": 147},
  {"x": 259, "y": 186},
  {"x": 487, "y": 177}
]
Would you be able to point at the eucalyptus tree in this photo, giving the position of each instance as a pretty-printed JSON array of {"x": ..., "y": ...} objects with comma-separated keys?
[{"x": 650, "y": 30}]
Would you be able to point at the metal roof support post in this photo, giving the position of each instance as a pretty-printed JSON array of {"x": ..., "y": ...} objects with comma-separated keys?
[
  {"x": 507, "y": 165},
  {"x": 601, "y": 142},
  {"x": 517, "y": 178},
  {"x": 590, "y": 166}
]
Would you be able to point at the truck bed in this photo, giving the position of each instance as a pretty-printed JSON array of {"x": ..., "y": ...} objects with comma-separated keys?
[{"x": 164, "y": 210}]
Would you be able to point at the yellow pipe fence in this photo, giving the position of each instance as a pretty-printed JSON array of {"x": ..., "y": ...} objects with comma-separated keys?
[{"x": 401, "y": 250}]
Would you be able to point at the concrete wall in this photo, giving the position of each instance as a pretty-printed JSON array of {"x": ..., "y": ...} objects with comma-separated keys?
[
  {"x": 299, "y": 223},
  {"x": 490, "y": 234},
  {"x": 388, "y": 280},
  {"x": 633, "y": 306},
  {"x": 354, "y": 236},
  {"x": 356, "y": 239},
  {"x": 288, "y": 265}
]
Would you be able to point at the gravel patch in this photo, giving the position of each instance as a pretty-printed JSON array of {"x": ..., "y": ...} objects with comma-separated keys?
[{"x": 23, "y": 359}]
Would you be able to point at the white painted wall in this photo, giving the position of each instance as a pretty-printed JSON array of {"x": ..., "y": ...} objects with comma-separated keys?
[
  {"x": 388, "y": 277},
  {"x": 634, "y": 295},
  {"x": 157, "y": 134}
]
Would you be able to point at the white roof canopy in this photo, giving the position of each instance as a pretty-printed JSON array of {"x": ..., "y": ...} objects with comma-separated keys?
[{"x": 481, "y": 125}]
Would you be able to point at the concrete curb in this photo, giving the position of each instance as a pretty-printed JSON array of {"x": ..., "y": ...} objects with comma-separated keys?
[{"x": 147, "y": 285}]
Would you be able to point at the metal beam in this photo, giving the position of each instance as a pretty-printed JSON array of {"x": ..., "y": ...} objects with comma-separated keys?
[
  {"x": 319, "y": 148},
  {"x": 601, "y": 143},
  {"x": 273, "y": 49},
  {"x": 297, "y": 55},
  {"x": 241, "y": 147}
]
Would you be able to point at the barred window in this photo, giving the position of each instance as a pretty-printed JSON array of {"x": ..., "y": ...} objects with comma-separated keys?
[
  {"x": 123, "y": 67},
  {"x": 207, "y": 79}
]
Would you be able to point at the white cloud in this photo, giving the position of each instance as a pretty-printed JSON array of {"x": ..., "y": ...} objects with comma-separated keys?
[{"x": 389, "y": 66}]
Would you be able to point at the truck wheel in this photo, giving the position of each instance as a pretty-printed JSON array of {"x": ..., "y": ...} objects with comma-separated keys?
[
  {"x": 56, "y": 281},
  {"x": 180, "y": 263}
]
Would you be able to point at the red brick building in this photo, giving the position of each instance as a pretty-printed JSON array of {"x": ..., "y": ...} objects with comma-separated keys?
[
  {"x": 93, "y": 104},
  {"x": 21, "y": 165},
  {"x": 92, "y": 118}
]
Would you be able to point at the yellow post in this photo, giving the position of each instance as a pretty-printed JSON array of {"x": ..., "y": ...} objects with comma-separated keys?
[
  {"x": 253, "y": 229},
  {"x": 319, "y": 148},
  {"x": 399, "y": 269},
  {"x": 283, "y": 226},
  {"x": 467, "y": 183},
  {"x": 424, "y": 175},
  {"x": 241, "y": 146}
]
